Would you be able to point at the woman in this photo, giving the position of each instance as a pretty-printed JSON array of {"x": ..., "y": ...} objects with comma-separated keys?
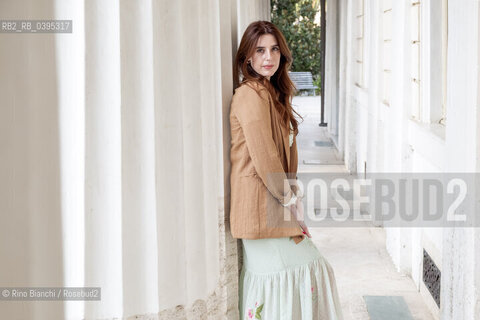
[{"x": 284, "y": 276}]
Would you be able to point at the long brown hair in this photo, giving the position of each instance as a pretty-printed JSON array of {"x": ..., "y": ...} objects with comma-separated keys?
[{"x": 280, "y": 87}]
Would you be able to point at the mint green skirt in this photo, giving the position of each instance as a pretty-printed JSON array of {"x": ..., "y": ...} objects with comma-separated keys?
[{"x": 281, "y": 280}]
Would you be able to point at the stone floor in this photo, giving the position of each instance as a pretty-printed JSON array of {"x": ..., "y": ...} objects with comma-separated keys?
[{"x": 358, "y": 255}]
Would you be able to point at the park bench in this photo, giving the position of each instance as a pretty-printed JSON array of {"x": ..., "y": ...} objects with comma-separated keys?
[{"x": 303, "y": 81}]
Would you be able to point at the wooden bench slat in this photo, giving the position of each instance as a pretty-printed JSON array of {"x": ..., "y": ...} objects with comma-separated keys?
[{"x": 302, "y": 80}]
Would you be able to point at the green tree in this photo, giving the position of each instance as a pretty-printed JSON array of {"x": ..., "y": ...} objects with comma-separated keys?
[{"x": 296, "y": 19}]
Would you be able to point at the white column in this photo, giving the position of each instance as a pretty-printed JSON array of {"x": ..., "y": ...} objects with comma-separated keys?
[
  {"x": 399, "y": 240},
  {"x": 103, "y": 158},
  {"x": 350, "y": 129},
  {"x": 460, "y": 297},
  {"x": 226, "y": 41},
  {"x": 194, "y": 212},
  {"x": 169, "y": 153},
  {"x": 140, "y": 261},
  {"x": 211, "y": 119},
  {"x": 70, "y": 57},
  {"x": 342, "y": 82},
  {"x": 331, "y": 71},
  {"x": 189, "y": 176},
  {"x": 374, "y": 70}
]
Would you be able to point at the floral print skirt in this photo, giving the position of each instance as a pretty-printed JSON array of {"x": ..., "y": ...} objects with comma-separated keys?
[{"x": 281, "y": 280}]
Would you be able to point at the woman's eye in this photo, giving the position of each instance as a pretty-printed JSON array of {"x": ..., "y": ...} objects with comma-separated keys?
[
  {"x": 276, "y": 49},
  {"x": 260, "y": 50}
]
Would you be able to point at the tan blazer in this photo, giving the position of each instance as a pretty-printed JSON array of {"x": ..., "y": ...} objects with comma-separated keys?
[{"x": 261, "y": 161}]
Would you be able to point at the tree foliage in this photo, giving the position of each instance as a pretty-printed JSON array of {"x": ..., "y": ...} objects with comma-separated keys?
[{"x": 296, "y": 20}]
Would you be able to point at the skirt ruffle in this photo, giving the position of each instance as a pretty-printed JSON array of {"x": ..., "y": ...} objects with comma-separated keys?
[{"x": 287, "y": 282}]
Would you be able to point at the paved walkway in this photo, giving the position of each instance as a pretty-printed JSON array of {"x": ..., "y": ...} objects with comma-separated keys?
[{"x": 358, "y": 255}]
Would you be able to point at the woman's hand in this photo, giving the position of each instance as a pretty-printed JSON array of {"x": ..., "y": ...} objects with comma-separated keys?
[{"x": 297, "y": 210}]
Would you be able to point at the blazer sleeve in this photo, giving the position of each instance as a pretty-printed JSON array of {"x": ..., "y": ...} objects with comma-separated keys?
[{"x": 252, "y": 110}]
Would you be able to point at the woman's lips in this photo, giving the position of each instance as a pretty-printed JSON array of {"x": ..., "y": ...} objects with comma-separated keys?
[{"x": 268, "y": 66}]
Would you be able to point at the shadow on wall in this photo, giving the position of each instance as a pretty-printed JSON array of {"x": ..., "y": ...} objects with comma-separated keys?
[{"x": 30, "y": 207}]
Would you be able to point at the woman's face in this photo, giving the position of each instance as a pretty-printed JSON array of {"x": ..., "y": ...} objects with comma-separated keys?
[{"x": 266, "y": 57}]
